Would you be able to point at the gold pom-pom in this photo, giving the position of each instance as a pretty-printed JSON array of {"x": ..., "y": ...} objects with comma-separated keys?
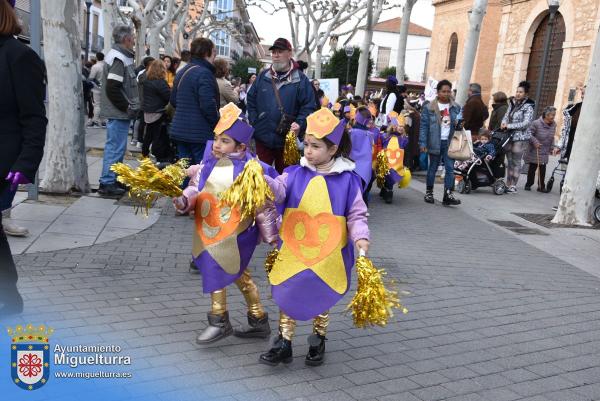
[
  {"x": 291, "y": 154},
  {"x": 373, "y": 303},
  {"x": 250, "y": 191},
  {"x": 406, "y": 177},
  {"x": 271, "y": 259},
  {"x": 147, "y": 182},
  {"x": 382, "y": 168}
]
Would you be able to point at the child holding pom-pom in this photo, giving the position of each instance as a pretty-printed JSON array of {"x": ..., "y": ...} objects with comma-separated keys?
[
  {"x": 224, "y": 238},
  {"x": 324, "y": 219},
  {"x": 393, "y": 141}
]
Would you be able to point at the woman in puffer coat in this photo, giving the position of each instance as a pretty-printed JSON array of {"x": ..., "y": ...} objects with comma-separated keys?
[
  {"x": 541, "y": 139},
  {"x": 516, "y": 121}
]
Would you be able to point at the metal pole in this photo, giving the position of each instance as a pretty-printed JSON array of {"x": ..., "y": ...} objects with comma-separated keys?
[
  {"x": 35, "y": 22},
  {"x": 87, "y": 30},
  {"x": 540, "y": 82},
  {"x": 347, "y": 71}
]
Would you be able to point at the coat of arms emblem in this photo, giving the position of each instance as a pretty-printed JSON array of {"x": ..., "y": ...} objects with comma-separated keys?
[{"x": 30, "y": 355}]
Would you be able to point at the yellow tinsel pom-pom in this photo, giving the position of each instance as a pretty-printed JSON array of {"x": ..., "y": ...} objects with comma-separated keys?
[
  {"x": 291, "y": 154},
  {"x": 373, "y": 303},
  {"x": 271, "y": 259},
  {"x": 382, "y": 168},
  {"x": 406, "y": 177},
  {"x": 147, "y": 182},
  {"x": 249, "y": 192}
]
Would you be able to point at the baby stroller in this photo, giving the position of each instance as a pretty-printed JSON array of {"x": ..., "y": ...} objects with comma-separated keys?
[{"x": 483, "y": 173}]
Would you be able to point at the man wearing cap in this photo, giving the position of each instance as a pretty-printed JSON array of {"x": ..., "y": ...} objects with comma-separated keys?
[{"x": 280, "y": 100}]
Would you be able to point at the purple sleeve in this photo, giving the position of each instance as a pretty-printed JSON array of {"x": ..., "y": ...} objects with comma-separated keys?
[
  {"x": 191, "y": 192},
  {"x": 266, "y": 220},
  {"x": 356, "y": 220},
  {"x": 278, "y": 186}
]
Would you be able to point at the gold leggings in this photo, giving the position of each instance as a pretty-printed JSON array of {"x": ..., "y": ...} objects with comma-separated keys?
[
  {"x": 287, "y": 325},
  {"x": 248, "y": 288}
]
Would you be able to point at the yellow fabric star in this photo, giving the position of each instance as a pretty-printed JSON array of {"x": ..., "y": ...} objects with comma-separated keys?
[{"x": 313, "y": 238}]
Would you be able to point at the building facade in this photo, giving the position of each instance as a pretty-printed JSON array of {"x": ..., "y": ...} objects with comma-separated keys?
[
  {"x": 512, "y": 44},
  {"x": 384, "y": 52},
  {"x": 450, "y": 27}
]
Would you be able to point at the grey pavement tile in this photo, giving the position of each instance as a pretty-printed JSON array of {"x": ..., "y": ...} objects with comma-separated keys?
[
  {"x": 433, "y": 393},
  {"x": 36, "y": 212},
  {"x": 499, "y": 394},
  {"x": 51, "y": 241}
]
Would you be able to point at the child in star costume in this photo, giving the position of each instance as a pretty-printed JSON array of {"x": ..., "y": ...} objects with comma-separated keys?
[
  {"x": 223, "y": 243},
  {"x": 324, "y": 219},
  {"x": 393, "y": 141},
  {"x": 363, "y": 140}
]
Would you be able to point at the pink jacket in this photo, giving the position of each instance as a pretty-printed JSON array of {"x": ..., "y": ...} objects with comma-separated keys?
[
  {"x": 266, "y": 218},
  {"x": 356, "y": 220}
]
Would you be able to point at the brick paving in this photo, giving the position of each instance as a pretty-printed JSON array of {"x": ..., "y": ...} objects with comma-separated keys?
[{"x": 490, "y": 317}]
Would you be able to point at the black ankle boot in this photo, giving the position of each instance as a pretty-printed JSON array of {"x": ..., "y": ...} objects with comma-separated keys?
[
  {"x": 449, "y": 199},
  {"x": 388, "y": 195},
  {"x": 281, "y": 352},
  {"x": 316, "y": 351},
  {"x": 429, "y": 196},
  {"x": 257, "y": 328},
  {"x": 219, "y": 327}
]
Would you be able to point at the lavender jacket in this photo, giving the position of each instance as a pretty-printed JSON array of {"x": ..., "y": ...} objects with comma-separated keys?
[
  {"x": 541, "y": 133},
  {"x": 356, "y": 220}
]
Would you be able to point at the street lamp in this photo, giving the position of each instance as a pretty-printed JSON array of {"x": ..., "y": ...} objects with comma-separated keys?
[
  {"x": 553, "y": 8},
  {"x": 349, "y": 53},
  {"x": 88, "y": 4}
]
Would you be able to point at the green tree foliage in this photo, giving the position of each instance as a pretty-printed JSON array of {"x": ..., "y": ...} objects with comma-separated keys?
[
  {"x": 386, "y": 72},
  {"x": 336, "y": 68},
  {"x": 240, "y": 67}
]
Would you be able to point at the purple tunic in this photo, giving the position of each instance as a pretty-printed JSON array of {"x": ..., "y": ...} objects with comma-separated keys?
[
  {"x": 222, "y": 247},
  {"x": 303, "y": 294},
  {"x": 362, "y": 153}
]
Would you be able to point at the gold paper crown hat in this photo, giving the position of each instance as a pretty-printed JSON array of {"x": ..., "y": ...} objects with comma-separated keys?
[{"x": 30, "y": 333}]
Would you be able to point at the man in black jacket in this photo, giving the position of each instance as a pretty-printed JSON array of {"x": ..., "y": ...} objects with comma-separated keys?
[{"x": 23, "y": 122}]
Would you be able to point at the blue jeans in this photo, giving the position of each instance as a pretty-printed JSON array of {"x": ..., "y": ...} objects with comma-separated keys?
[
  {"x": 192, "y": 151},
  {"x": 434, "y": 161},
  {"x": 114, "y": 150}
]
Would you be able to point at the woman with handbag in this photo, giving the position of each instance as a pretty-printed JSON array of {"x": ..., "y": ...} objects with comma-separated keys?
[
  {"x": 516, "y": 121},
  {"x": 438, "y": 121}
]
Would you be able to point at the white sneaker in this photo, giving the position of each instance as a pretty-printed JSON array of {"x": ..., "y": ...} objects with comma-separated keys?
[
  {"x": 133, "y": 142},
  {"x": 511, "y": 190},
  {"x": 368, "y": 214},
  {"x": 14, "y": 230}
]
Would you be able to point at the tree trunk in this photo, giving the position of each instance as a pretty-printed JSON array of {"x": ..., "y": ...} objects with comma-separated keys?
[
  {"x": 318, "y": 63},
  {"x": 577, "y": 199},
  {"x": 65, "y": 156},
  {"x": 141, "y": 28},
  {"x": 466, "y": 69},
  {"x": 404, "y": 25},
  {"x": 363, "y": 60},
  {"x": 154, "y": 43},
  {"x": 109, "y": 19}
]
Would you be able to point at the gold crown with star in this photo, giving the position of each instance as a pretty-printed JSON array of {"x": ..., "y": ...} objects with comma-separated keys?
[{"x": 28, "y": 333}]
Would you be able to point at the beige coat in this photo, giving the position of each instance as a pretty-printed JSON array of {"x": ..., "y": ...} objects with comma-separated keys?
[{"x": 227, "y": 92}]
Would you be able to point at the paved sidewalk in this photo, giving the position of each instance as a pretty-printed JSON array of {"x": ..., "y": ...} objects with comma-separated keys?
[
  {"x": 577, "y": 246},
  {"x": 491, "y": 318}
]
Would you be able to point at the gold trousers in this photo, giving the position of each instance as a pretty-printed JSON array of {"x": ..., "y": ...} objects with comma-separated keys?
[
  {"x": 248, "y": 288},
  {"x": 287, "y": 325}
]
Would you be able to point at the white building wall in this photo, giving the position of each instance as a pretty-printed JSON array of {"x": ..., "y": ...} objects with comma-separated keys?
[{"x": 417, "y": 48}]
